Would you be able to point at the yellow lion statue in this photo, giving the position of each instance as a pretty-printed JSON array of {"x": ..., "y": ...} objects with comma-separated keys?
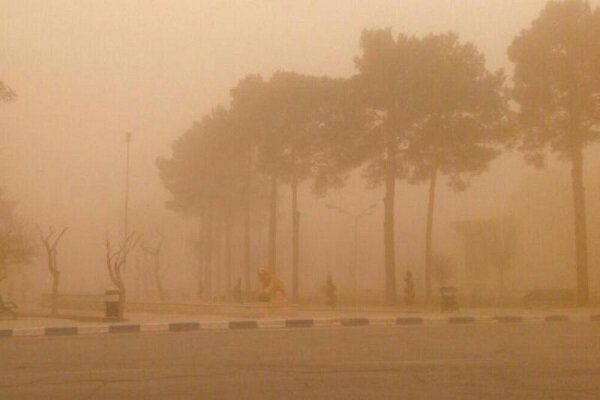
[{"x": 269, "y": 286}]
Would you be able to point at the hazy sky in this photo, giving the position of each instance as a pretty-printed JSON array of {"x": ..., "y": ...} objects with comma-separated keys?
[{"x": 88, "y": 71}]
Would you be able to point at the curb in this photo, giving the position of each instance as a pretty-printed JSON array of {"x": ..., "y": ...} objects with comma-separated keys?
[{"x": 193, "y": 326}]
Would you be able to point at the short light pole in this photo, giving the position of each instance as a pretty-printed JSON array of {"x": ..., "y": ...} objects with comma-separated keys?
[{"x": 356, "y": 217}]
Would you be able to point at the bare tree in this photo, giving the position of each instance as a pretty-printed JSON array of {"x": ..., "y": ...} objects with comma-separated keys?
[
  {"x": 152, "y": 248},
  {"x": 50, "y": 242},
  {"x": 115, "y": 260}
]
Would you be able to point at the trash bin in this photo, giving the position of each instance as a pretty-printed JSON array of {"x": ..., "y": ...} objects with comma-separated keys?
[{"x": 111, "y": 299}]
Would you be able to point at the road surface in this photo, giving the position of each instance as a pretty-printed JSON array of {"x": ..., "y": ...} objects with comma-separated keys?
[{"x": 489, "y": 361}]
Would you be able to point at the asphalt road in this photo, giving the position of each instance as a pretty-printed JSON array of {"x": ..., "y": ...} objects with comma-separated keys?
[{"x": 508, "y": 361}]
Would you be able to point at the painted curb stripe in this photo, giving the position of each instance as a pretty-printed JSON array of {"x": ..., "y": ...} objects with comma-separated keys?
[
  {"x": 28, "y": 332},
  {"x": 354, "y": 322},
  {"x": 299, "y": 323},
  {"x": 217, "y": 325},
  {"x": 155, "y": 327},
  {"x": 61, "y": 330},
  {"x": 92, "y": 329},
  {"x": 556, "y": 318},
  {"x": 435, "y": 320},
  {"x": 409, "y": 321},
  {"x": 184, "y": 326},
  {"x": 461, "y": 320},
  {"x": 326, "y": 323},
  {"x": 382, "y": 321},
  {"x": 271, "y": 324},
  {"x": 243, "y": 325},
  {"x": 123, "y": 328},
  {"x": 508, "y": 319},
  {"x": 579, "y": 318},
  {"x": 288, "y": 323}
]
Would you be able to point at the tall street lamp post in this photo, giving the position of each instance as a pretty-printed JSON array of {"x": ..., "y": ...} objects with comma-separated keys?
[{"x": 125, "y": 225}]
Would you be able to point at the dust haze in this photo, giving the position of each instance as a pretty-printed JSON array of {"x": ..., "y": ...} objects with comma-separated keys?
[{"x": 86, "y": 73}]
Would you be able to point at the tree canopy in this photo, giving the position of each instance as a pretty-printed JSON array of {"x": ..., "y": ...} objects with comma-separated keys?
[
  {"x": 464, "y": 112},
  {"x": 556, "y": 79}
]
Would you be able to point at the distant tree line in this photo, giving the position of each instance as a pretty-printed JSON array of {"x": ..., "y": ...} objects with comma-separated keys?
[{"x": 417, "y": 109}]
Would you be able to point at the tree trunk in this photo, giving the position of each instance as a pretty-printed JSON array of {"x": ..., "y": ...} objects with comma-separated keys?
[
  {"x": 228, "y": 272},
  {"x": 247, "y": 238},
  {"x": 247, "y": 254},
  {"x": 429, "y": 234},
  {"x": 388, "y": 227},
  {"x": 156, "y": 276},
  {"x": 580, "y": 226},
  {"x": 354, "y": 269},
  {"x": 218, "y": 257},
  {"x": 208, "y": 253},
  {"x": 55, "y": 282},
  {"x": 201, "y": 255},
  {"x": 295, "y": 241},
  {"x": 273, "y": 224},
  {"x": 147, "y": 284}
]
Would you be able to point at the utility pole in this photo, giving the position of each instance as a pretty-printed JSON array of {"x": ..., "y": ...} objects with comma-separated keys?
[{"x": 356, "y": 217}]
